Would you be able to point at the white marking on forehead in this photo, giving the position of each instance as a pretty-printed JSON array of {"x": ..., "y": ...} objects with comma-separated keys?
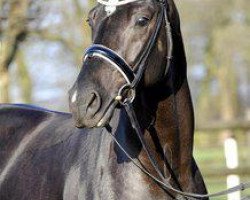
[
  {"x": 115, "y": 2},
  {"x": 110, "y": 10},
  {"x": 110, "y": 5},
  {"x": 74, "y": 97}
]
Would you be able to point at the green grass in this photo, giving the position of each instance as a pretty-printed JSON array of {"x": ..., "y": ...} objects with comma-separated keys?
[
  {"x": 216, "y": 184},
  {"x": 209, "y": 154}
]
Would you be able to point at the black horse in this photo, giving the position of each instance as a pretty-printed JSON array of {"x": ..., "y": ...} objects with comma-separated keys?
[{"x": 45, "y": 156}]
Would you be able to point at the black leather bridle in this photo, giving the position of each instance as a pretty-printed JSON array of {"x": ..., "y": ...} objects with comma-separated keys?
[
  {"x": 126, "y": 98},
  {"x": 133, "y": 78}
]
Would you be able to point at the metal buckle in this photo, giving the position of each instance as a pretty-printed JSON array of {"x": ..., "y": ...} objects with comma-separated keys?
[
  {"x": 162, "y": 2},
  {"x": 126, "y": 95}
]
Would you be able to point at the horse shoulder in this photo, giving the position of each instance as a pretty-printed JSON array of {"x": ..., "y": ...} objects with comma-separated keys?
[
  {"x": 35, "y": 148},
  {"x": 16, "y": 122}
]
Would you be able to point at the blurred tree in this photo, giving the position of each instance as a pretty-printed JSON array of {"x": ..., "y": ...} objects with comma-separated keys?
[
  {"x": 17, "y": 17},
  {"x": 198, "y": 20},
  {"x": 14, "y": 33},
  {"x": 22, "y": 19},
  {"x": 74, "y": 19},
  {"x": 23, "y": 78},
  {"x": 216, "y": 35},
  {"x": 229, "y": 54}
]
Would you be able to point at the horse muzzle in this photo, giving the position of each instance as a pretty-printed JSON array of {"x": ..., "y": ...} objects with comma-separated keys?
[
  {"x": 89, "y": 110},
  {"x": 85, "y": 107}
]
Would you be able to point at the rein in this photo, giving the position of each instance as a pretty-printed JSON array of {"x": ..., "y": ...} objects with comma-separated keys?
[
  {"x": 127, "y": 94},
  {"x": 163, "y": 181}
]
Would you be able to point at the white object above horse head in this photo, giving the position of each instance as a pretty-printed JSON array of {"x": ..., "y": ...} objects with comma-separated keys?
[{"x": 110, "y": 5}]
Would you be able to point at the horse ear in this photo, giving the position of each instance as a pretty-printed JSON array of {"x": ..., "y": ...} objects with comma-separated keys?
[
  {"x": 179, "y": 57},
  {"x": 173, "y": 16},
  {"x": 180, "y": 85}
]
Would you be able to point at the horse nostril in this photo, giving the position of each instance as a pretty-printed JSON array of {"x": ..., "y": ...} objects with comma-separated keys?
[{"x": 93, "y": 103}]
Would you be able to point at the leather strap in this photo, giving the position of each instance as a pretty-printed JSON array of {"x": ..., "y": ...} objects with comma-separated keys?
[
  {"x": 97, "y": 50},
  {"x": 162, "y": 181},
  {"x": 132, "y": 77}
]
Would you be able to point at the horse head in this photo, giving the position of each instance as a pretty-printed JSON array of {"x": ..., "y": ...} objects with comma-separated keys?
[{"x": 135, "y": 36}]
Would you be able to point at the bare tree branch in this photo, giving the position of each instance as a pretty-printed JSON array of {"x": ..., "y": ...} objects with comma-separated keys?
[{"x": 14, "y": 33}]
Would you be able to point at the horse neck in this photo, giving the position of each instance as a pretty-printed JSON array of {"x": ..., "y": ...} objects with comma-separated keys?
[
  {"x": 175, "y": 124},
  {"x": 171, "y": 136}
]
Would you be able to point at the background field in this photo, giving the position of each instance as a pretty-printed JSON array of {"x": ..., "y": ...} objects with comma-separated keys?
[{"x": 209, "y": 153}]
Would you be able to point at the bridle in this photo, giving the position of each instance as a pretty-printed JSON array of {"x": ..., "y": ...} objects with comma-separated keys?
[
  {"x": 133, "y": 77},
  {"x": 127, "y": 94}
]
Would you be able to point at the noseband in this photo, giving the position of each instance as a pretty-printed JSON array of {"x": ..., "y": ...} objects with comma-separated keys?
[{"x": 127, "y": 94}]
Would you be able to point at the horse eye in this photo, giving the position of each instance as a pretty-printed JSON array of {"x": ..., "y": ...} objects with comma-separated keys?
[{"x": 142, "y": 21}]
